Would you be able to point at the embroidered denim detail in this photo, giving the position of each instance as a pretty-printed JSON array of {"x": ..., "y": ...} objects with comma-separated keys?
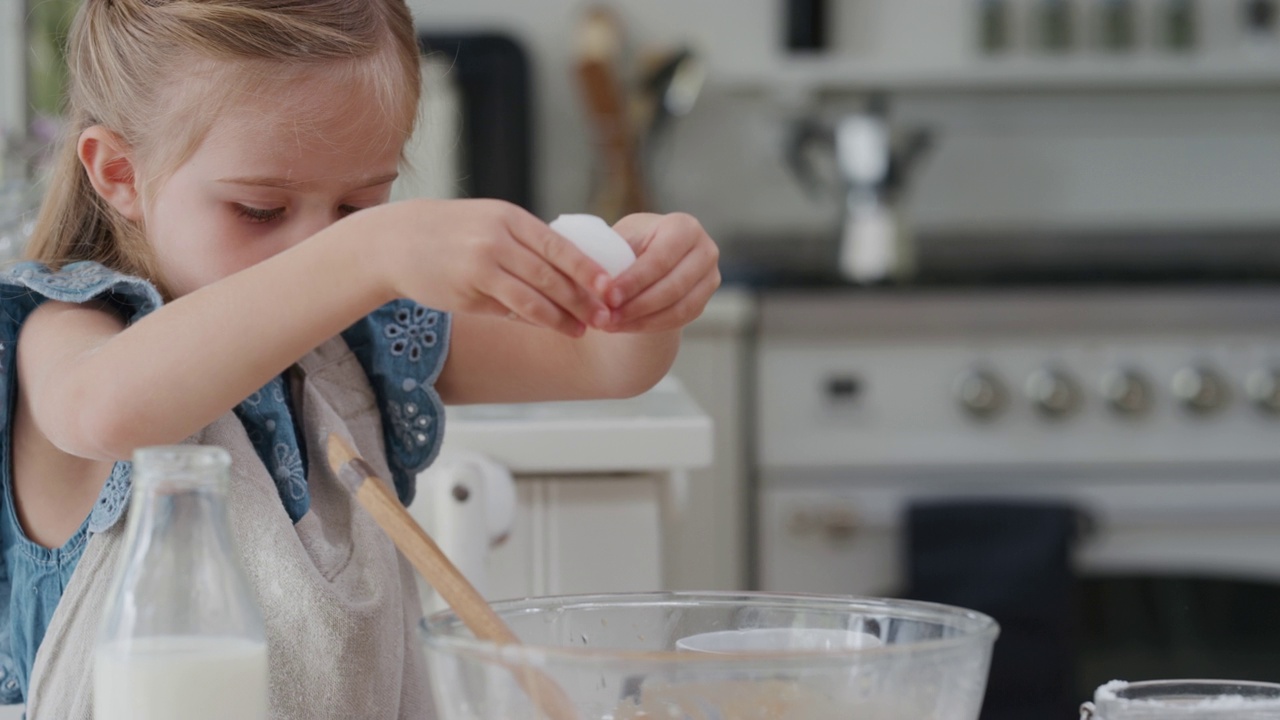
[
  {"x": 113, "y": 498},
  {"x": 403, "y": 346},
  {"x": 411, "y": 426},
  {"x": 290, "y": 478},
  {"x": 268, "y": 421},
  {"x": 81, "y": 281},
  {"x": 10, "y": 690},
  {"x": 411, "y": 330}
]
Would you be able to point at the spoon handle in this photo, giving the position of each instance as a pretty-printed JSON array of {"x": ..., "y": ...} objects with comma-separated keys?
[{"x": 376, "y": 497}]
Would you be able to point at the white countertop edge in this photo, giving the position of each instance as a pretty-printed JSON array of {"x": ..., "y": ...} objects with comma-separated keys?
[
  {"x": 731, "y": 309},
  {"x": 636, "y": 445}
]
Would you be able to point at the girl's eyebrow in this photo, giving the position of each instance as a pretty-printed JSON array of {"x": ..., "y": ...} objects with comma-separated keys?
[{"x": 275, "y": 182}]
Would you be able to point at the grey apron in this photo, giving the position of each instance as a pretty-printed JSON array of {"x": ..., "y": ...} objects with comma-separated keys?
[{"x": 341, "y": 605}]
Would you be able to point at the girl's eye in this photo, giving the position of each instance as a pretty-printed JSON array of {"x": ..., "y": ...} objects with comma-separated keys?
[{"x": 258, "y": 215}]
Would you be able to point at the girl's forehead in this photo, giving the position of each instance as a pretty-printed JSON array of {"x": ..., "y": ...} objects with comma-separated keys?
[
  {"x": 312, "y": 126},
  {"x": 317, "y": 114}
]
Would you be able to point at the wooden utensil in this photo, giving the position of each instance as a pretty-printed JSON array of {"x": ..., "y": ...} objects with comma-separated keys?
[
  {"x": 622, "y": 187},
  {"x": 377, "y": 497}
]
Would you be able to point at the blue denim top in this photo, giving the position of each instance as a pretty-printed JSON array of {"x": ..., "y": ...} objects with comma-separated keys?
[{"x": 402, "y": 347}]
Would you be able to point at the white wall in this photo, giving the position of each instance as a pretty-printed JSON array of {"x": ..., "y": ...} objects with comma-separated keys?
[
  {"x": 1102, "y": 160},
  {"x": 724, "y": 138},
  {"x": 1108, "y": 159},
  {"x": 12, "y": 68}
]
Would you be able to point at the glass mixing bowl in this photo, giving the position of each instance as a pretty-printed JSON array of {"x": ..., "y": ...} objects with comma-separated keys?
[
  {"x": 616, "y": 658},
  {"x": 1184, "y": 700}
]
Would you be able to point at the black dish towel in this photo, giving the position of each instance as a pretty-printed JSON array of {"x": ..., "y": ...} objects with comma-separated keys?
[{"x": 1012, "y": 561}]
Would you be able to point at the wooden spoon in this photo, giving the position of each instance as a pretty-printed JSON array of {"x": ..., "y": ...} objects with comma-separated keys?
[
  {"x": 376, "y": 496},
  {"x": 622, "y": 188}
]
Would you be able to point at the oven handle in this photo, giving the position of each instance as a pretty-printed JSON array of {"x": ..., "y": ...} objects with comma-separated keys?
[
  {"x": 848, "y": 515},
  {"x": 837, "y": 525}
]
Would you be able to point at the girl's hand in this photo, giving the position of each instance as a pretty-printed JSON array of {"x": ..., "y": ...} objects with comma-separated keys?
[
  {"x": 674, "y": 275},
  {"x": 489, "y": 257}
]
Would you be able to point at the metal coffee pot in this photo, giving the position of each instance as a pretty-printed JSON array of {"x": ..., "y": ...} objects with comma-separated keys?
[{"x": 859, "y": 158}]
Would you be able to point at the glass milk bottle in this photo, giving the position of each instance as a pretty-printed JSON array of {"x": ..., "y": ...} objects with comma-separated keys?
[{"x": 182, "y": 636}]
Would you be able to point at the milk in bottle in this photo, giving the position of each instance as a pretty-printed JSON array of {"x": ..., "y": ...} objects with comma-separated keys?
[{"x": 182, "y": 636}]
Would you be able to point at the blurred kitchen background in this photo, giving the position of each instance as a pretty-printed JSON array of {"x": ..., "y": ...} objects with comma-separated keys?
[{"x": 1001, "y": 321}]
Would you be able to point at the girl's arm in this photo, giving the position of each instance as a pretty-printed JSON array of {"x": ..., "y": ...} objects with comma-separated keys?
[
  {"x": 98, "y": 390},
  {"x": 493, "y": 360}
]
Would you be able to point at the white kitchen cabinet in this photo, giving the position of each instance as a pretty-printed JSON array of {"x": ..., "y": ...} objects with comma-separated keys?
[
  {"x": 599, "y": 488},
  {"x": 583, "y": 534}
]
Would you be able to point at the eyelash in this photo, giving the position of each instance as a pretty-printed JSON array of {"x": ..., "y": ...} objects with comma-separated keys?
[{"x": 258, "y": 215}]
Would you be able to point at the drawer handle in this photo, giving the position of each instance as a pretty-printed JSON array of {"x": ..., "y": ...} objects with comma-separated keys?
[{"x": 835, "y": 525}]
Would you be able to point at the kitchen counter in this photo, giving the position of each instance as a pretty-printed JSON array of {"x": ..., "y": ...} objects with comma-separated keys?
[{"x": 659, "y": 431}]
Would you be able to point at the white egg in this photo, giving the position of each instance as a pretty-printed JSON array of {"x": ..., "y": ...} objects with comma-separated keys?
[{"x": 596, "y": 240}]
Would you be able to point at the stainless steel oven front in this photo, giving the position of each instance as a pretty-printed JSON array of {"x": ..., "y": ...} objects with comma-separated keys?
[{"x": 1152, "y": 414}]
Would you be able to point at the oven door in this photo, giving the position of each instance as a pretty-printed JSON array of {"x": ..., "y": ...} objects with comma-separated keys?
[{"x": 1178, "y": 572}]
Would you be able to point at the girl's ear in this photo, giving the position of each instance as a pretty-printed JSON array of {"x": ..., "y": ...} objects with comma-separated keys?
[{"x": 106, "y": 159}]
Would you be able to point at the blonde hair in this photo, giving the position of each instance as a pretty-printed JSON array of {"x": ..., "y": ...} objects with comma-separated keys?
[{"x": 125, "y": 57}]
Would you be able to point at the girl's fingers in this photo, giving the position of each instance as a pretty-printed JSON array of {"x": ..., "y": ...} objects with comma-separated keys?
[
  {"x": 550, "y": 282},
  {"x": 483, "y": 304},
  {"x": 678, "y": 315},
  {"x": 649, "y": 268},
  {"x": 638, "y": 228},
  {"x": 563, "y": 255},
  {"x": 527, "y": 304},
  {"x": 663, "y": 247},
  {"x": 669, "y": 290}
]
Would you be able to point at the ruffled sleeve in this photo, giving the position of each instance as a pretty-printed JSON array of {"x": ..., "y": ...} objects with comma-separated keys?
[
  {"x": 402, "y": 347},
  {"x": 26, "y": 286},
  {"x": 29, "y": 284}
]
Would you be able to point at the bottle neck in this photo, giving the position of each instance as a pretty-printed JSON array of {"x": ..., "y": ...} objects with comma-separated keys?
[
  {"x": 180, "y": 574},
  {"x": 174, "y": 521},
  {"x": 181, "y": 467},
  {"x": 178, "y": 511}
]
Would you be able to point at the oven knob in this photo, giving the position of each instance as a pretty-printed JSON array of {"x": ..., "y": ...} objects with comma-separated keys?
[
  {"x": 981, "y": 394},
  {"x": 1127, "y": 392},
  {"x": 1263, "y": 387},
  {"x": 1053, "y": 392},
  {"x": 1201, "y": 390}
]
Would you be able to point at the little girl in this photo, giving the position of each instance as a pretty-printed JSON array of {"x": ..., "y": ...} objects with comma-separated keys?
[{"x": 215, "y": 262}]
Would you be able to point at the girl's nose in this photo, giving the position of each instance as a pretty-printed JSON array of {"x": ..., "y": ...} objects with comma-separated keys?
[{"x": 312, "y": 224}]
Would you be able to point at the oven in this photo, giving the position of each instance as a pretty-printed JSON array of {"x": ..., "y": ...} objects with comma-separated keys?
[{"x": 1150, "y": 415}]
